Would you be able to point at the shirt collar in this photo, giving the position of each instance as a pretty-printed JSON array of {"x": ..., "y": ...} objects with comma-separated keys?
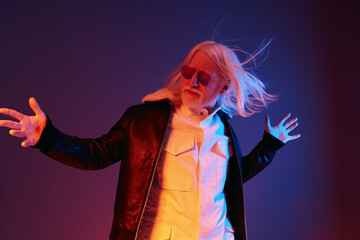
[{"x": 196, "y": 114}]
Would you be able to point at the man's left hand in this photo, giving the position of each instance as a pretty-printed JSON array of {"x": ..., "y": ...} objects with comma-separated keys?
[{"x": 282, "y": 129}]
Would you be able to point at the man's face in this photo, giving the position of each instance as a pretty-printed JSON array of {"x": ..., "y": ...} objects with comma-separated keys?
[{"x": 196, "y": 95}]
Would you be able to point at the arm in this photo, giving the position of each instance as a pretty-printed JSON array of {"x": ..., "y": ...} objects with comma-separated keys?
[
  {"x": 81, "y": 153},
  {"x": 261, "y": 155},
  {"x": 87, "y": 154},
  {"x": 273, "y": 139}
]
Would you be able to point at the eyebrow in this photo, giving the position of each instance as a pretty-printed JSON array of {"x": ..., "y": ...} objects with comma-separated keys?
[{"x": 197, "y": 69}]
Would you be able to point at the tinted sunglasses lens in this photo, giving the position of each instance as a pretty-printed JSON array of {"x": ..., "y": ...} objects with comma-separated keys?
[
  {"x": 203, "y": 78},
  {"x": 187, "y": 71}
]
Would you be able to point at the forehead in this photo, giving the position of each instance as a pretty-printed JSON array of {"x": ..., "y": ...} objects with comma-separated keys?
[{"x": 201, "y": 61}]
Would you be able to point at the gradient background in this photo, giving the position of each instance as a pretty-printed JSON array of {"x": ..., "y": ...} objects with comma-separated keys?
[{"x": 87, "y": 61}]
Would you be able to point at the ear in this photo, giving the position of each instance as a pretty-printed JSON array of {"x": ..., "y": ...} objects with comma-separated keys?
[{"x": 225, "y": 88}]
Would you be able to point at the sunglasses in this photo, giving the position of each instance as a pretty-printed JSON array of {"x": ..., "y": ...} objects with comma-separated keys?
[{"x": 188, "y": 72}]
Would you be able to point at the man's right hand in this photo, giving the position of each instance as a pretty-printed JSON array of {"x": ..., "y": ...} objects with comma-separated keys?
[{"x": 29, "y": 127}]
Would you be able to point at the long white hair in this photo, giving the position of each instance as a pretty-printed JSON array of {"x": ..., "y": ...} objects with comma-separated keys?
[{"x": 245, "y": 95}]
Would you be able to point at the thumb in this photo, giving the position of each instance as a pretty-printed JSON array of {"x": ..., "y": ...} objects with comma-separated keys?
[
  {"x": 267, "y": 123},
  {"x": 35, "y": 106}
]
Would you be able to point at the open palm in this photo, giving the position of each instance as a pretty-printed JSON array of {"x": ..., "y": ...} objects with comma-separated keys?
[
  {"x": 282, "y": 128},
  {"x": 29, "y": 127}
]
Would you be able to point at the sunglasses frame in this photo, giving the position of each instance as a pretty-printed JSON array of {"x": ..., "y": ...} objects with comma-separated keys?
[{"x": 202, "y": 76}]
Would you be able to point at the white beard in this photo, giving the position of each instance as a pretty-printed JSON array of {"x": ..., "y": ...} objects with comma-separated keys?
[{"x": 191, "y": 101}]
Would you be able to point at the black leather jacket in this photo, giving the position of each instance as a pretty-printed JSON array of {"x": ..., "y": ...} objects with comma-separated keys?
[{"x": 137, "y": 139}]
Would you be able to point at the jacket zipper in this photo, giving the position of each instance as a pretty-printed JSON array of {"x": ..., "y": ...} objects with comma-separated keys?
[
  {"x": 152, "y": 178},
  {"x": 153, "y": 174}
]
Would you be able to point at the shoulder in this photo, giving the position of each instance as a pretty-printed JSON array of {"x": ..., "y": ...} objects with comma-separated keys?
[
  {"x": 224, "y": 118},
  {"x": 148, "y": 112},
  {"x": 148, "y": 109},
  {"x": 156, "y": 106}
]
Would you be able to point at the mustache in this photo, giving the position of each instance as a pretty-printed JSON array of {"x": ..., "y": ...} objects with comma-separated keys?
[{"x": 192, "y": 90}]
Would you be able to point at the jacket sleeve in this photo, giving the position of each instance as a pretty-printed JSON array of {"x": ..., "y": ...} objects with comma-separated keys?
[
  {"x": 260, "y": 156},
  {"x": 87, "y": 154}
]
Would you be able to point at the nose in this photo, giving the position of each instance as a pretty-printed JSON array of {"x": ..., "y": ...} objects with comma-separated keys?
[{"x": 194, "y": 80}]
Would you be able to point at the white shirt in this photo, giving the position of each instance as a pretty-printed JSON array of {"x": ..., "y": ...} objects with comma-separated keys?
[{"x": 186, "y": 200}]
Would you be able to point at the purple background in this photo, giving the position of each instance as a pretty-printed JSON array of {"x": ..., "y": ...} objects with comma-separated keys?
[{"x": 87, "y": 61}]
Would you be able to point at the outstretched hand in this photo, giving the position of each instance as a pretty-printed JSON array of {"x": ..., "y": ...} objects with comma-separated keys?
[
  {"x": 29, "y": 127},
  {"x": 282, "y": 129}
]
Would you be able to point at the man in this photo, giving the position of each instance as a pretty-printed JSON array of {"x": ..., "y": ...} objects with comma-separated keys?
[{"x": 181, "y": 169}]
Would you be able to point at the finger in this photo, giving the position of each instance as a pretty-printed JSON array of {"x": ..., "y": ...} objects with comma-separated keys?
[
  {"x": 12, "y": 113},
  {"x": 35, "y": 106},
  {"x": 292, "y": 126},
  {"x": 294, "y": 137},
  {"x": 27, "y": 143},
  {"x": 17, "y": 133},
  {"x": 290, "y": 122},
  {"x": 10, "y": 124},
  {"x": 283, "y": 119}
]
